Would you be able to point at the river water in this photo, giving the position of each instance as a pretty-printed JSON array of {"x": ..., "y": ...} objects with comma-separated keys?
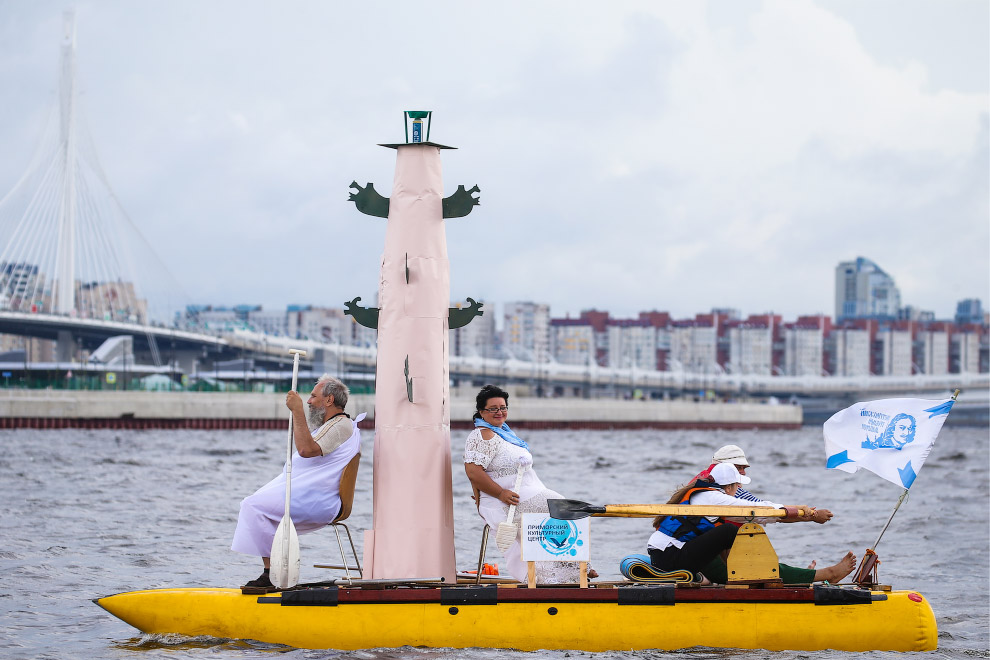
[{"x": 95, "y": 512}]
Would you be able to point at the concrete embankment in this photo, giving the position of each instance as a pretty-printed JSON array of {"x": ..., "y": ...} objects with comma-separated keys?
[{"x": 222, "y": 410}]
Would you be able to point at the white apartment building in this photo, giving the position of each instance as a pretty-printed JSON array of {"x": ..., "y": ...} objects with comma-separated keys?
[
  {"x": 895, "y": 352},
  {"x": 750, "y": 350},
  {"x": 328, "y": 324},
  {"x": 967, "y": 347},
  {"x": 933, "y": 357},
  {"x": 477, "y": 338},
  {"x": 693, "y": 348},
  {"x": 572, "y": 342},
  {"x": 851, "y": 353},
  {"x": 22, "y": 286},
  {"x": 804, "y": 349},
  {"x": 268, "y": 322},
  {"x": 632, "y": 344},
  {"x": 111, "y": 301},
  {"x": 526, "y": 331}
]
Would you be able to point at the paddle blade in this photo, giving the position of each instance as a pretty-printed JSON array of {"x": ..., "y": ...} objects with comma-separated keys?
[
  {"x": 572, "y": 509},
  {"x": 284, "y": 571},
  {"x": 505, "y": 536}
]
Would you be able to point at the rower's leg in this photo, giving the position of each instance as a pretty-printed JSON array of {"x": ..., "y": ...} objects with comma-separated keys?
[{"x": 701, "y": 550}]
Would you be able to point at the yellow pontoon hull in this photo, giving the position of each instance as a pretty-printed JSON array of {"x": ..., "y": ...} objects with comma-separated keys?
[{"x": 895, "y": 621}]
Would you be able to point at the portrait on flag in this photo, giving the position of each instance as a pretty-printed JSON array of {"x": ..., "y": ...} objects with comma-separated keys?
[
  {"x": 899, "y": 432},
  {"x": 891, "y": 437}
]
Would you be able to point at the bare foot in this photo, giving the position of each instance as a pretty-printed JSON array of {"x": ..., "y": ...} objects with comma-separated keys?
[
  {"x": 812, "y": 565},
  {"x": 838, "y": 571}
]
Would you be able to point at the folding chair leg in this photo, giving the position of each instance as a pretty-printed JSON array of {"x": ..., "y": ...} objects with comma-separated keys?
[
  {"x": 481, "y": 556},
  {"x": 343, "y": 556}
]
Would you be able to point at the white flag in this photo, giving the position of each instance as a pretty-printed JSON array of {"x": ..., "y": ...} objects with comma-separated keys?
[{"x": 890, "y": 437}]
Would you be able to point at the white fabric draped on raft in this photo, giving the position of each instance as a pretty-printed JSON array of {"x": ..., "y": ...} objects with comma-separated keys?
[{"x": 315, "y": 498}]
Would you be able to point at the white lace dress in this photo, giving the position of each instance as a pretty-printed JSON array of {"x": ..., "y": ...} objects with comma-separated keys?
[{"x": 500, "y": 460}]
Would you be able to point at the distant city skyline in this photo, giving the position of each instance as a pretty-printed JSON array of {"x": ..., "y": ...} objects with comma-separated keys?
[
  {"x": 862, "y": 289},
  {"x": 643, "y": 155}
]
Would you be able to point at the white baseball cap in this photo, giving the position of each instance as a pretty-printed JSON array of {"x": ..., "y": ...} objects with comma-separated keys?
[
  {"x": 726, "y": 473},
  {"x": 730, "y": 454}
]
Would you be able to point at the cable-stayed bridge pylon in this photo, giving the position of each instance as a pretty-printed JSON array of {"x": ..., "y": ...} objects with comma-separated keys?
[{"x": 66, "y": 244}]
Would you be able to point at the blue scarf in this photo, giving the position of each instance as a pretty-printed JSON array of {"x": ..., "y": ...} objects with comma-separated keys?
[{"x": 505, "y": 432}]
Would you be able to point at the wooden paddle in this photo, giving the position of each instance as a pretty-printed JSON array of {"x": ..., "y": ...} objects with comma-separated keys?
[
  {"x": 506, "y": 533},
  {"x": 284, "y": 572},
  {"x": 574, "y": 510}
]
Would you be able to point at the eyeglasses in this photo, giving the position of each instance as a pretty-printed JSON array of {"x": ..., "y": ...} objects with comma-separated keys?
[{"x": 496, "y": 409}]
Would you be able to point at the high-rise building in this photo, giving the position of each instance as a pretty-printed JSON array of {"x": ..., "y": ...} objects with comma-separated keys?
[
  {"x": 863, "y": 290},
  {"x": 804, "y": 345},
  {"x": 111, "y": 301},
  {"x": 270, "y": 322},
  {"x": 851, "y": 349},
  {"x": 526, "y": 331},
  {"x": 969, "y": 311},
  {"x": 693, "y": 346},
  {"x": 965, "y": 356},
  {"x": 894, "y": 350},
  {"x": 632, "y": 343},
  {"x": 572, "y": 341},
  {"x": 477, "y": 338},
  {"x": 751, "y": 346},
  {"x": 581, "y": 341},
  {"x": 21, "y": 286},
  {"x": 932, "y": 351},
  {"x": 328, "y": 324}
]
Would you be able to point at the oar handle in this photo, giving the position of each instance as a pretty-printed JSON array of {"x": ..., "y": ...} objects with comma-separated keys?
[
  {"x": 519, "y": 477},
  {"x": 296, "y": 354},
  {"x": 648, "y": 510}
]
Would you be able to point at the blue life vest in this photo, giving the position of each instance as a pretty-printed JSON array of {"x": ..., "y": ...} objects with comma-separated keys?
[{"x": 685, "y": 528}]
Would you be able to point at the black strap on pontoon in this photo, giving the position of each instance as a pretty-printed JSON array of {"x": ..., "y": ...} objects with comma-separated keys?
[
  {"x": 485, "y": 594},
  {"x": 654, "y": 594}
]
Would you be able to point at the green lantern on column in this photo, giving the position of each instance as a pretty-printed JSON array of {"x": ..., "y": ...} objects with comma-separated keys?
[{"x": 417, "y": 118}]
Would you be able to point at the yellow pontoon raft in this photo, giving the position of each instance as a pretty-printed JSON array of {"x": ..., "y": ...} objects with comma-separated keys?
[
  {"x": 754, "y": 611},
  {"x": 592, "y": 619}
]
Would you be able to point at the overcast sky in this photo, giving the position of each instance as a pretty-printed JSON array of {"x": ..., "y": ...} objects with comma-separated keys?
[{"x": 675, "y": 156}]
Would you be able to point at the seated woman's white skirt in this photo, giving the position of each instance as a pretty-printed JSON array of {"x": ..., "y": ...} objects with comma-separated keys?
[{"x": 547, "y": 572}]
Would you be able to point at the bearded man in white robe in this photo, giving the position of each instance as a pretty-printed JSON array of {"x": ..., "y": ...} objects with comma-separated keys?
[{"x": 326, "y": 440}]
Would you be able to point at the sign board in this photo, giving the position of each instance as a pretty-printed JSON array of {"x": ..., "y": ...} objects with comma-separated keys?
[
  {"x": 111, "y": 378},
  {"x": 548, "y": 539}
]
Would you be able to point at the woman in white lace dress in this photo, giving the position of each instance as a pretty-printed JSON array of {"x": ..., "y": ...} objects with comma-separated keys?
[{"x": 492, "y": 454}]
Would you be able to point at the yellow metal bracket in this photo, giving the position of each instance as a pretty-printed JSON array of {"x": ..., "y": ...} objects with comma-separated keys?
[{"x": 752, "y": 559}]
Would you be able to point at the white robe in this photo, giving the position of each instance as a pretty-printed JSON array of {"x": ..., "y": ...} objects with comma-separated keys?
[{"x": 315, "y": 498}]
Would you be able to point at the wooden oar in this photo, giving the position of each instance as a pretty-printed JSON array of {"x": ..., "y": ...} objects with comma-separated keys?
[
  {"x": 574, "y": 510},
  {"x": 506, "y": 533},
  {"x": 284, "y": 572}
]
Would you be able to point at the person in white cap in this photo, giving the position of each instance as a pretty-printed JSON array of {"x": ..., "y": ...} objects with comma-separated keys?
[
  {"x": 734, "y": 455},
  {"x": 695, "y": 543}
]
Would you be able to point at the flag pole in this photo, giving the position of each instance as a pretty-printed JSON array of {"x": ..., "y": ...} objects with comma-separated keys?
[
  {"x": 900, "y": 500},
  {"x": 869, "y": 559}
]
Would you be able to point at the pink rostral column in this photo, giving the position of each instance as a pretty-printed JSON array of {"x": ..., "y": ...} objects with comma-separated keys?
[{"x": 413, "y": 529}]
